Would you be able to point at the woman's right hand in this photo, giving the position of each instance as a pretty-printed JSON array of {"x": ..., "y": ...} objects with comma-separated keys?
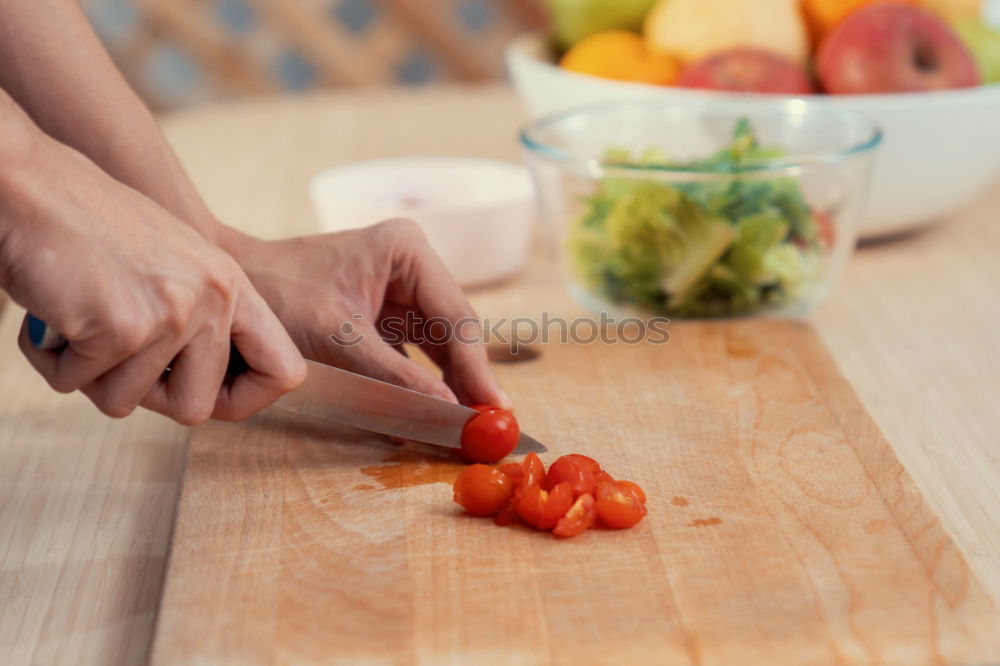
[{"x": 134, "y": 291}]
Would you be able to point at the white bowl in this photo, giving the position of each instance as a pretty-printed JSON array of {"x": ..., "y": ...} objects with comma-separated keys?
[
  {"x": 940, "y": 150},
  {"x": 477, "y": 213}
]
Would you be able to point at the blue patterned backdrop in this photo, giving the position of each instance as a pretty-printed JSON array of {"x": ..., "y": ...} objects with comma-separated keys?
[{"x": 178, "y": 52}]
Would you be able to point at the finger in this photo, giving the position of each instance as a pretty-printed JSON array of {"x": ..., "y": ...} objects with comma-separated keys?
[
  {"x": 76, "y": 365},
  {"x": 275, "y": 365},
  {"x": 120, "y": 390},
  {"x": 374, "y": 358},
  {"x": 189, "y": 391},
  {"x": 467, "y": 368}
]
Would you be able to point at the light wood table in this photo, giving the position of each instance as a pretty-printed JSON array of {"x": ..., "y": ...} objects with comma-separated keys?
[{"x": 86, "y": 503}]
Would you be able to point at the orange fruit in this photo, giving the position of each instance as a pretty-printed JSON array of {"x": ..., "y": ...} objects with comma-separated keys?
[
  {"x": 824, "y": 15},
  {"x": 620, "y": 55}
]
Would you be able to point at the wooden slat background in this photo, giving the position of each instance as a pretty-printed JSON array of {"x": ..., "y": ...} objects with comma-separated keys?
[{"x": 182, "y": 51}]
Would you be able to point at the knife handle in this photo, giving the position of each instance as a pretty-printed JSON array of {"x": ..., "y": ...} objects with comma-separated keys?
[{"x": 44, "y": 337}]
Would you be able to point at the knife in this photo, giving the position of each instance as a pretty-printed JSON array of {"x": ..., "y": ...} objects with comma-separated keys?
[{"x": 351, "y": 399}]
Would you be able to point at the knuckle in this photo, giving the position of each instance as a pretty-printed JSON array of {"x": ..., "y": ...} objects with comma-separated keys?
[
  {"x": 176, "y": 302},
  {"x": 128, "y": 333}
]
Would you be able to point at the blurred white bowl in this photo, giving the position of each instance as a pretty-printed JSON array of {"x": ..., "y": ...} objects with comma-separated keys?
[
  {"x": 940, "y": 150},
  {"x": 477, "y": 213}
]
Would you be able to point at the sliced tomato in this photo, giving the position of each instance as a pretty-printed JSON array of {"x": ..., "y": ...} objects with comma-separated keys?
[
  {"x": 579, "y": 475},
  {"x": 544, "y": 508},
  {"x": 603, "y": 477},
  {"x": 534, "y": 470},
  {"x": 586, "y": 461},
  {"x": 528, "y": 472},
  {"x": 580, "y": 517},
  {"x": 618, "y": 505},
  {"x": 490, "y": 435},
  {"x": 482, "y": 490},
  {"x": 514, "y": 471},
  {"x": 634, "y": 487}
]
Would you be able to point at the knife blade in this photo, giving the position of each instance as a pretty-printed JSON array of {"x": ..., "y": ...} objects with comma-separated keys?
[
  {"x": 345, "y": 397},
  {"x": 351, "y": 399}
]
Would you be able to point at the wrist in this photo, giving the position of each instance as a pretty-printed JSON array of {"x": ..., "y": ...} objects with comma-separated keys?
[{"x": 238, "y": 245}]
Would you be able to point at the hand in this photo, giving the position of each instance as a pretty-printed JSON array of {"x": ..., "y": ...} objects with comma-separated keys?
[
  {"x": 369, "y": 279},
  {"x": 134, "y": 291}
]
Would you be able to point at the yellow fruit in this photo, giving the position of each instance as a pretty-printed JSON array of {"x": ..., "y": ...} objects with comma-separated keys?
[
  {"x": 689, "y": 30},
  {"x": 823, "y": 15},
  {"x": 954, "y": 9},
  {"x": 620, "y": 55}
]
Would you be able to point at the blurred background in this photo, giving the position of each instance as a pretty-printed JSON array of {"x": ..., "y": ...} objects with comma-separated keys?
[{"x": 179, "y": 52}]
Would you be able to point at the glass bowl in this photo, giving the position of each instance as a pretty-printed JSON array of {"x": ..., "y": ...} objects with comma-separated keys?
[{"x": 701, "y": 209}]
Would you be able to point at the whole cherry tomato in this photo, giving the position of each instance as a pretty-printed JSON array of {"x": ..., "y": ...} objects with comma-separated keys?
[
  {"x": 490, "y": 435},
  {"x": 579, "y": 517},
  {"x": 482, "y": 490},
  {"x": 618, "y": 505},
  {"x": 544, "y": 508},
  {"x": 579, "y": 475}
]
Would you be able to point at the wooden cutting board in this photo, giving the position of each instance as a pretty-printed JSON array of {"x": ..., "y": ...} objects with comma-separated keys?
[{"x": 781, "y": 530}]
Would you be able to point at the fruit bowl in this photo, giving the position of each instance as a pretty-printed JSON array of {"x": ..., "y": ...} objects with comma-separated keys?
[
  {"x": 701, "y": 208},
  {"x": 940, "y": 148}
]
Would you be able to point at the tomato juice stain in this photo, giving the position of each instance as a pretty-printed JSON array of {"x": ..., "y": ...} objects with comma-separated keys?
[
  {"x": 407, "y": 468},
  {"x": 679, "y": 501},
  {"x": 705, "y": 522}
]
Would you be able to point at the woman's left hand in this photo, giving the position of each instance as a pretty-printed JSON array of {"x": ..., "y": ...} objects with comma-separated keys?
[{"x": 351, "y": 299}]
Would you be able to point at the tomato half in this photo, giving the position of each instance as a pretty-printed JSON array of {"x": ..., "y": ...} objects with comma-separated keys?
[
  {"x": 490, "y": 435},
  {"x": 602, "y": 477},
  {"x": 586, "y": 461},
  {"x": 618, "y": 505},
  {"x": 580, "y": 516},
  {"x": 544, "y": 508},
  {"x": 482, "y": 490},
  {"x": 534, "y": 470},
  {"x": 528, "y": 472},
  {"x": 514, "y": 471},
  {"x": 634, "y": 487},
  {"x": 579, "y": 475}
]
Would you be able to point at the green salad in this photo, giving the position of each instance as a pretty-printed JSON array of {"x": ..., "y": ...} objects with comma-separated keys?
[{"x": 699, "y": 249}]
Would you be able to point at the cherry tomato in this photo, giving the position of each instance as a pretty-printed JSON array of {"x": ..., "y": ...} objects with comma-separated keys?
[
  {"x": 618, "y": 505},
  {"x": 603, "y": 477},
  {"x": 534, "y": 470},
  {"x": 528, "y": 472},
  {"x": 514, "y": 471},
  {"x": 579, "y": 517},
  {"x": 543, "y": 508},
  {"x": 827, "y": 231},
  {"x": 482, "y": 490},
  {"x": 579, "y": 475},
  {"x": 490, "y": 435},
  {"x": 634, "y": 487},
  {"x": 586, "y": 461}
]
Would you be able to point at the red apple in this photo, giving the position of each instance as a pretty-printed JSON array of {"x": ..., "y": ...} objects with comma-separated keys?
[
  {"x": 747, "y": 70},
  {"x": 890, "y": 47}
]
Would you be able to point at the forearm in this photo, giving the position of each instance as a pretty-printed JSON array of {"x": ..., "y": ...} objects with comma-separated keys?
[{"x": 60, "y": 74}]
